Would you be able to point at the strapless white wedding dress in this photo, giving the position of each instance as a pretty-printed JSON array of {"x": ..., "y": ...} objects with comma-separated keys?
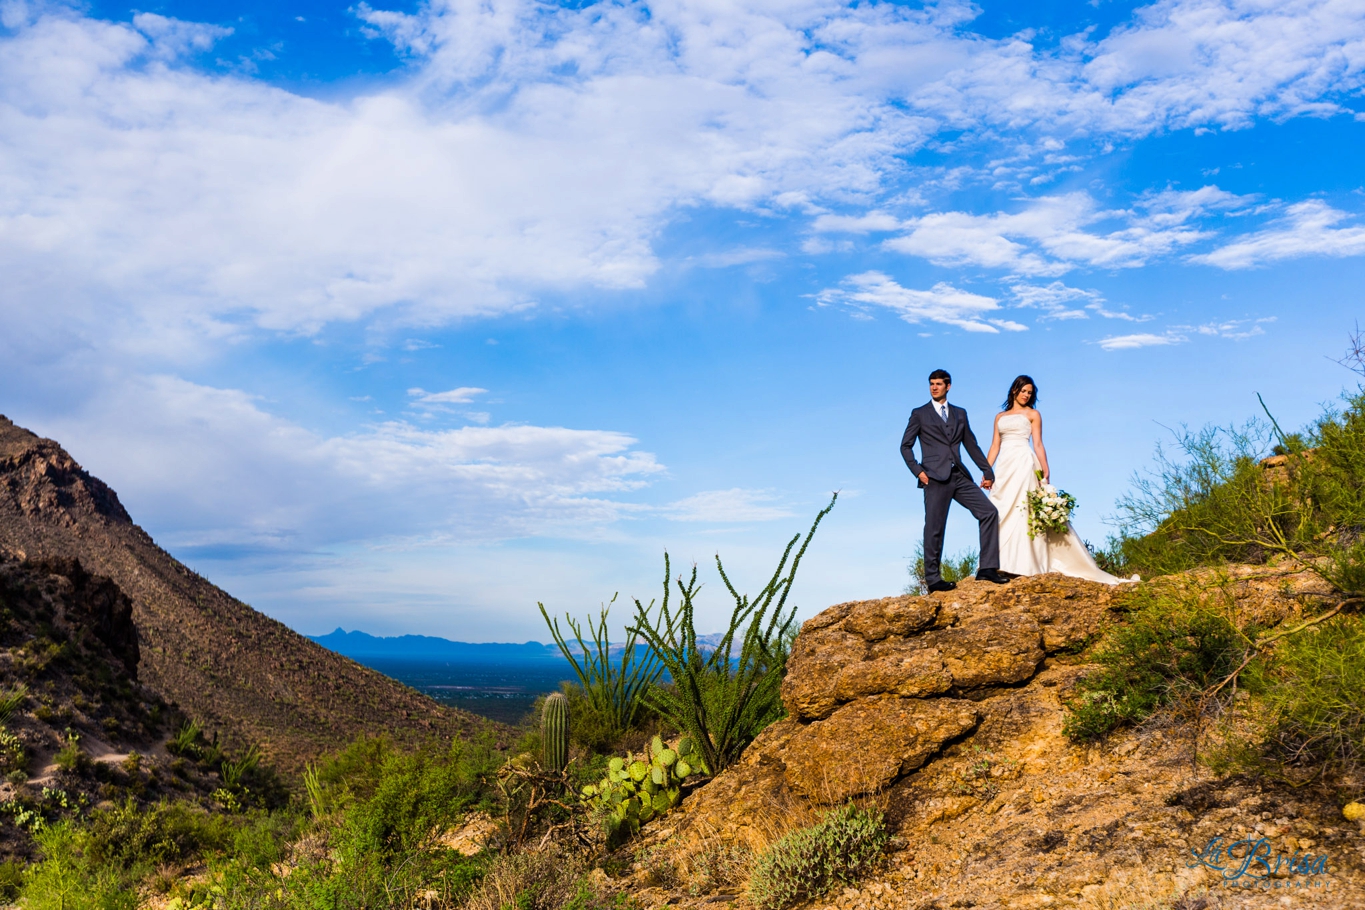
[{"x": 1016, "y": 468}]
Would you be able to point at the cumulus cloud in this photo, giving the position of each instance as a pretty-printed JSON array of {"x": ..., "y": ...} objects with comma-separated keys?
[
  {"x": 725, "y": 506},
  {"x": 1306, "y": 229},
  {"x": 942, "y": 303}
]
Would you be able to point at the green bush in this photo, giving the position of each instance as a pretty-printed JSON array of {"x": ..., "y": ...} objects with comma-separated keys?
[
  {"x": 69, "y": 878},
  {"x": 133, "y": 837},
  {"x": 1317, "y": 696},
  {"x": 1176, "y": 645},
  {"x": 954, "y": 569},
  {"x": 806, "y": 864}
]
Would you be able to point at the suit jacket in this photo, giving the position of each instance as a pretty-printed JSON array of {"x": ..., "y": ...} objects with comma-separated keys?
[{"x": 939, "y": 443}]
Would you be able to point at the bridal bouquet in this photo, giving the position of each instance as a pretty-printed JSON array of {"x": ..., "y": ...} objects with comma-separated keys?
[{"x": 1049, "y": 509}]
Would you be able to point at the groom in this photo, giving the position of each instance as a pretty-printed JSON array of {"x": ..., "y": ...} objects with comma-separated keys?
[{"x": 940, "y": 429}]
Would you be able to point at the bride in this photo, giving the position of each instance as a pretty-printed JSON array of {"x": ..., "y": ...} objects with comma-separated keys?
[{"x": 1016, "y": 465}]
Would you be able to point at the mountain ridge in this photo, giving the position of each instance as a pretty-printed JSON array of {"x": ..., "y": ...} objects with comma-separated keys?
[{"x": 229, "y": 666}]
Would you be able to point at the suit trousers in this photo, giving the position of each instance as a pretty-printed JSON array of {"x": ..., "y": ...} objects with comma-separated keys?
[{"x": 937, "y": 497}]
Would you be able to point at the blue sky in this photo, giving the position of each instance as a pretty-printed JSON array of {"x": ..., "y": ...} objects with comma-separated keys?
[{"x": 405, "y": 317}]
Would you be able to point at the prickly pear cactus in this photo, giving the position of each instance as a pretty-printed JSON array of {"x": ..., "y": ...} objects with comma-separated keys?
[
  {"x": 636, "y": 789},
  {"x": 554, "y": 731}
]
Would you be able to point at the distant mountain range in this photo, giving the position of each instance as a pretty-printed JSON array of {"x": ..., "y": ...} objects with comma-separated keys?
[{"x": 362, "y": 647}]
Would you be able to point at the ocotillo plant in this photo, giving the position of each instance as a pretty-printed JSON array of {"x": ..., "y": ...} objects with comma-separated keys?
[
  {"x": 721, "y": 700},
  {"x": 614, "y": 690},
  {"x": 554, "y": 731}
]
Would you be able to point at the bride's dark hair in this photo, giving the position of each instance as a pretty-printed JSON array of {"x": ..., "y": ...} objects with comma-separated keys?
[{"x": 1019, "y": 383}]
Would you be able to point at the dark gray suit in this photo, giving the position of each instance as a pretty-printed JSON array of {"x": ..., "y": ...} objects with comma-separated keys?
[{"x": 949, "y": 479}]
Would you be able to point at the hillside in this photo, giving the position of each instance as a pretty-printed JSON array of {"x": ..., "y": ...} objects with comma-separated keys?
[{"x": 234, "y": 670}]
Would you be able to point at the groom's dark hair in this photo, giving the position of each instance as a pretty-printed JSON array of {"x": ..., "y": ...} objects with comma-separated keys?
[{"x": 941, "y": 374}]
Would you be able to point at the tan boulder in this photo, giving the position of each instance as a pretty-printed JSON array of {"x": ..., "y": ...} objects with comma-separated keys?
[
  {"x": 875, "y": 620},
  {"x": 898, "y": 668},
  {"x": 996, "y": 650},
  {"x": 869, "y": 744},
  {"x": 815, "y": 663}
]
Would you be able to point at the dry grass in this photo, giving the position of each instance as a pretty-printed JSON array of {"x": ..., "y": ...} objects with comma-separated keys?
[{"x": 539, "y": 880}]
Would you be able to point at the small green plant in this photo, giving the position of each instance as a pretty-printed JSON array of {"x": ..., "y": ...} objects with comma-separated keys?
[
  {"x": 318, "y": 801},
  {"x": 234, "y": 770},
  {"x": 13, "y": 755},
  {"x": 554, "y": 731},
  {"x": 808, "y": 863},
  {"x": 71, "y": 757},
  {"x": 723, "y": 700},
  {"x": 953, "y": 569},
  {"x": 185, "y": 742},
  {"x": 635, "y": 791},
  {"x": 10, "y": 700}
]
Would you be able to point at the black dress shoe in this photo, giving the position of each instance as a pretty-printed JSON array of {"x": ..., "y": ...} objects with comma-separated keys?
[
  {"x": 992, "y": 576},
  {"x": 941, "y": 586}
]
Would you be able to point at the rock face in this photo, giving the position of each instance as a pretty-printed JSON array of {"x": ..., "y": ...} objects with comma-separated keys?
[
  {"x": 875, "y": 689},
  {"x": 236, "y": 671}
]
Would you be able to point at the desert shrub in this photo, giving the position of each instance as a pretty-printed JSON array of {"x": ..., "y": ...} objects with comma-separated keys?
[
  {"x": 69, "y": 878},
  {"x": 723, "y": 699},
  {"x": 71, "y": 757},
  {"x": 416, "y": 793},
  {"x": 531, "y": 880},
  {"x": 132, "y": 837},
  {"x": 1317, "y": 696},
  {"x": 838, "y": 850},
  {"x": 1176, "y": 645},
  {"x": 13, "y": 755},
  {"x": 10, "y": 701},
  {"x": 955, "y": 568}
]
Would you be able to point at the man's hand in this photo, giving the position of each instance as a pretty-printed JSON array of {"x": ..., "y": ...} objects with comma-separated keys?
[
  {"x": 987, "y": 484},
  {"x": 924, "y": 478}
]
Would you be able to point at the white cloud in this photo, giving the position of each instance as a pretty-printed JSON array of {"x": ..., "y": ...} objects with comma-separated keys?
[
  {"x": 462, "y": 395},
  {"x": 1055, "y": 299},
  {"x": 210, "y": 467},
  {"x": 942, "y": 303},
  {"x": 736, "y": 505},
  {"x": 1048, "y": 237},
  {"x": 1141, "y": 340},
  {"x": 537, "y": 147},
  {"x": 1307, "y": 229}
]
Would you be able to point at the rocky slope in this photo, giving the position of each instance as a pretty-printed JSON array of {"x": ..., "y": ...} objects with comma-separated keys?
[
  {"x": 231, "y": 668},
  {"x": 946, "y": 711}
]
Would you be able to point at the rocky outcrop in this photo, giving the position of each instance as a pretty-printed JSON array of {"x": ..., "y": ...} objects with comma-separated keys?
[
  {"x": 875, "y": 689},
  {"x": 947, "y": 712}
]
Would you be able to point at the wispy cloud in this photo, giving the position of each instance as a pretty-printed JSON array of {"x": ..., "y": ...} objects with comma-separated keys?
[
  {"x": 1306, "y": 229},
  {"x": 1055, "y": 300},
  {"x": 941, "y": 303},
  {"x": 724, "y": 506},
  {"x": 1140, "y": 340},
  {"x": 462, "y": 395}
]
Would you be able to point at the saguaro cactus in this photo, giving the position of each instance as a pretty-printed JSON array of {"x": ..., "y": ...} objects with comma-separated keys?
[{"x": 554, "y": 731}]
